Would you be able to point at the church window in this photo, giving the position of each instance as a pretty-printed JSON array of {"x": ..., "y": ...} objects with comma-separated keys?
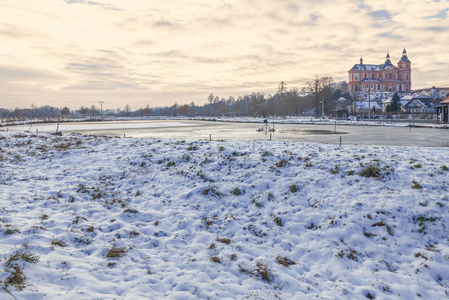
[
  {"x": 390, "y": 75},
  {"x": 407, "y": 77},
  {"x": 372, "y": 76},
  {"x": 364, "y": 76}
]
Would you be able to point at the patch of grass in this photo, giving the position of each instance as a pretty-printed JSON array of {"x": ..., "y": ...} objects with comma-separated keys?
[
  {"x": 226, "y": 241},
  {"x": 368, "y": 234},
  {"x": 335, "y": 170},
  {"x": 77, "y": 219},
  {"x": 267, "y": 153},
  {"x": 417, "y": 166},
  {"x": 16, "y": 278},
  {"x": 171, "y": 164},
  {"x": 116, "y": 252},
  {"x": 22, "y": 255},
  {"x": 215, "y": 259},
  {"x": 58, "y": 243},
  {"x": 90, "y": 228},
  {"x": 389, "y": 230},
  {"x": 293, "y": 188},
  {"x": 370, "y": 171},
  {"x": 134, "y": 233},
  {"x": 263, "y": 271},
  {"x": 84, "y": 240},
  {"x": 350, "y": 254},
  {"x": 282, "y": 163},
  {"x": 278, "y": 221},
  {"x": 12, "y": 230},
  {"x": 421, "y": 255},
  {"x": 237, "y": 191},
  {"x": 351, "y": 172},
  {"x": 416, "y": 185},
  {"x": 285, "y": 261}
]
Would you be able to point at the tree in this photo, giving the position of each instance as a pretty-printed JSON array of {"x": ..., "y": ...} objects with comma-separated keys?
[
  {"x": 17, "y": 112},
  {"x": 127, "y": 109},
  {"x": 183, "y": 110},
  {"x": 211, "y": 98},
  {"x": 282, "y": 87},
  {"x": 147, "y": 110},
  {"x": 395, "y": 104},
  {"x": 223, "y": 111},
  {"x": 92, "y": 109},
  {"x": 322, "y": 88},
  {"x": 82, "y": 110},
  {"x": 65, "y": 111}
]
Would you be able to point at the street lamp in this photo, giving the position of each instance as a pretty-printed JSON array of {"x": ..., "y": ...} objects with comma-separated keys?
[{"x": 101, "y": 108}]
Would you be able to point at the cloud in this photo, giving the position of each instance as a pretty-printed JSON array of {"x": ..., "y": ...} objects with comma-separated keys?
[{"x": 211, "y": 46}]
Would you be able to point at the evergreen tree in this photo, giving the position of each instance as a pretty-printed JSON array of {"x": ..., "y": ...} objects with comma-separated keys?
[{"x": 395, "y": 103}]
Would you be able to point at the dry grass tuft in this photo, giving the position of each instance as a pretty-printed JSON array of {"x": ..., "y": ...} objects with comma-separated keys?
[
  {"x": 17, "y": 277},
  {"x": 224, "y": 240},
  {"x": 285, "y": 261},
  {"x": 116, "y": 252},
  {"x": 215, "y": 259}
]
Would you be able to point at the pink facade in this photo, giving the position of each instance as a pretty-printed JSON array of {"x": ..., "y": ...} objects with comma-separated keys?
[{"x": 381, "y": 78}]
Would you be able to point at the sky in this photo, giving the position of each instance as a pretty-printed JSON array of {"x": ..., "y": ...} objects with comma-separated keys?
[{"x": 138, "y": 52}]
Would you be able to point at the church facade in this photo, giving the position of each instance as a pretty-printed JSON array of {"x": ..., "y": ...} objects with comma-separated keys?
[{"x": 385, "y": 77}]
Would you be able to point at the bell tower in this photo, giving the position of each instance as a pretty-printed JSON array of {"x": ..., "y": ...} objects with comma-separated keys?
[{"x": 405, "y": 72}]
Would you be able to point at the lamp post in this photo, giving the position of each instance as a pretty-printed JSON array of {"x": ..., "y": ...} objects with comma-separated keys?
[
  {"x": 369, "y": 102},
  {"x": 101, "y": 109}
]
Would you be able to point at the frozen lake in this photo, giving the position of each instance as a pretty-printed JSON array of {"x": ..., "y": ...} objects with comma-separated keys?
[{"x": 202, "y": 130}]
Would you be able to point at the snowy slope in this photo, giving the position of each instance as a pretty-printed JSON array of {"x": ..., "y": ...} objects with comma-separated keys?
[{"x": 93, "y": 217}]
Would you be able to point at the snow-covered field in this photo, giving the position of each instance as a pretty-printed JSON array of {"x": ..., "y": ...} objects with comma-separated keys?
[{"x": 95, "y": 217}]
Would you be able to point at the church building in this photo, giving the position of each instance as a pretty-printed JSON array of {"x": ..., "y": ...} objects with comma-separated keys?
[{"x": 385, "y": 77}]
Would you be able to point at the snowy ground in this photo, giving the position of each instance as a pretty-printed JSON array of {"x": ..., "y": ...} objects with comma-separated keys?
[{"x": 95, "y": 217}]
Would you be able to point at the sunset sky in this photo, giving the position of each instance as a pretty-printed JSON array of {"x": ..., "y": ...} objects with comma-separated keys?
[{"x": 139, "y": 52}]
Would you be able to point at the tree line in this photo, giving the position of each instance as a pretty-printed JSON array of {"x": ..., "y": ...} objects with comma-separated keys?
[{"x": 317, "y": 96}]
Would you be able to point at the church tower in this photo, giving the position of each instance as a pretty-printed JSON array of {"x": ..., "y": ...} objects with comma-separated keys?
[{"x": 405, "y": 73}]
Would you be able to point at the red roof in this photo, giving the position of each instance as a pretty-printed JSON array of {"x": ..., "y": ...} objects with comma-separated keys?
[{"x": 445, "y": 101}]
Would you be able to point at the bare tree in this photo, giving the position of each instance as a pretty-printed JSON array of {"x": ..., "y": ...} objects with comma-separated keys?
[
  {"x": 211, "y": 98},
  {"x": 17, "y": 112},
  {"x": 184, "y": 109},
  {"x": 82, "y": 110},
  {"x": 92, "y": 109},
  {"x": 65, "y": 111},
  {"x": 127, "y": 109},
  {"x": 147, "y": 110}
]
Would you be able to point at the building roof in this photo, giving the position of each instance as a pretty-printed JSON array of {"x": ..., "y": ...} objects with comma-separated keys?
[
  {"x": 364, "y": 67},
  {"x": 445, "y": 101},
  {"x": 367, "y": 105},
  {"x": 424, "y": 103}
]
